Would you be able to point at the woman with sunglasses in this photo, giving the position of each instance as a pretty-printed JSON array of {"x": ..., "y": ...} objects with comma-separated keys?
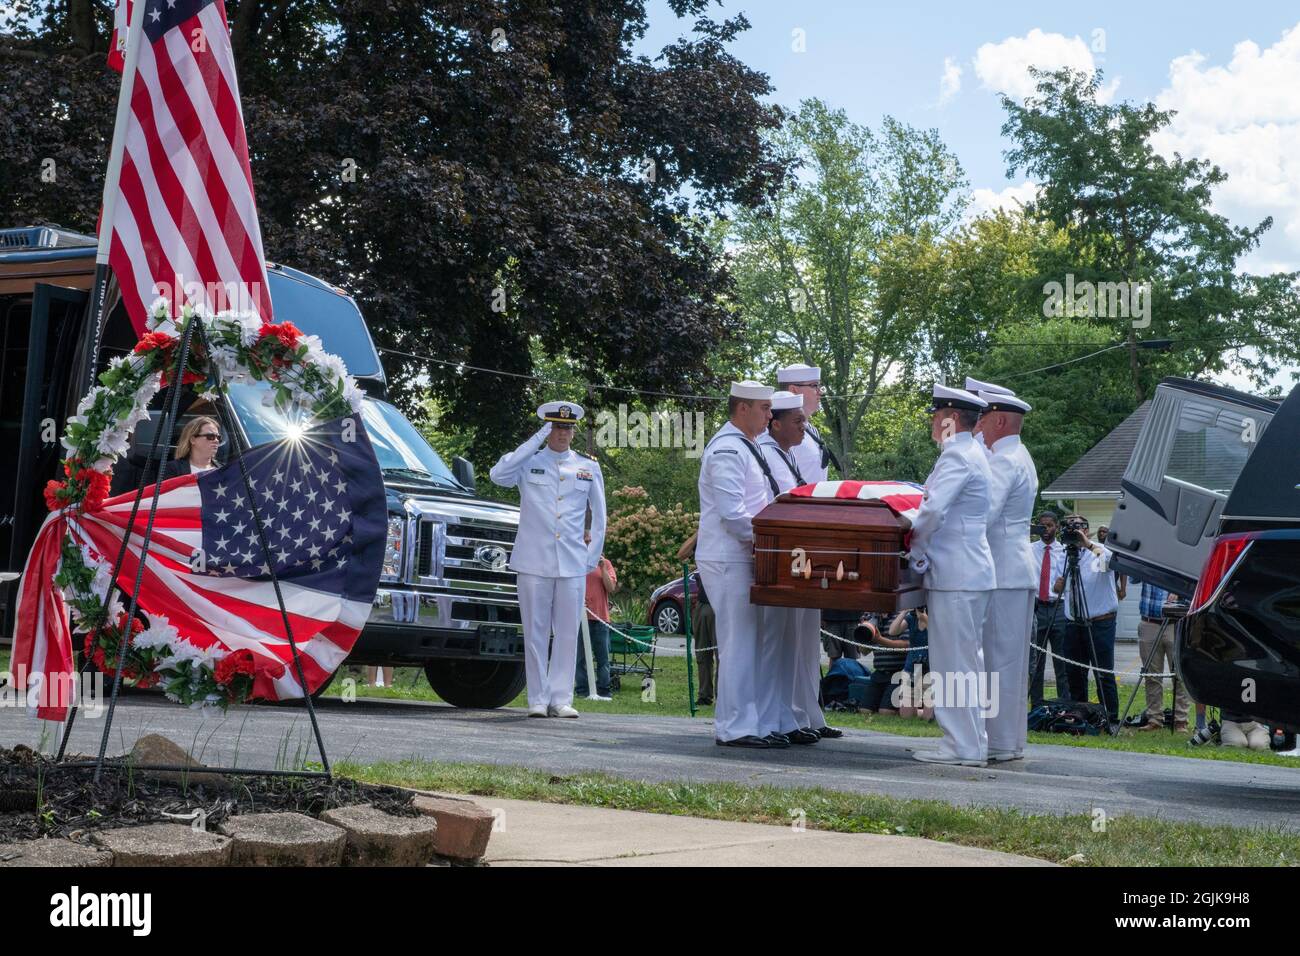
[{"x": 196, "y": 452}]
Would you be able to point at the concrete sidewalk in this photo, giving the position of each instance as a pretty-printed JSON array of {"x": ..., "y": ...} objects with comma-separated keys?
[{"x": 552, "y": 834}]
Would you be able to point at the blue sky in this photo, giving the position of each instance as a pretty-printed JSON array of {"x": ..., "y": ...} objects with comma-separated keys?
[
  {"x": 875, "y": 58},
  {"x": 1231, "y": 70}
]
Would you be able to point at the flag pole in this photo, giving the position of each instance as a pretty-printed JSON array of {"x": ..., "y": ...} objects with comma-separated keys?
[{"x": 112, "y": 178}]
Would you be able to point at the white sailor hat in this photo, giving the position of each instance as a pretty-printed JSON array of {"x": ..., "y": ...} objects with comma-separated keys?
[
  {"x": 751, "y": 391},
  {"x": 1004, "y": 402},
  {"x": 560, "y": 413},
  {"x": 781, "y": 401},
  {"x": 976, "y": 386},
  {"x": 945, "y": 396},
  {"x": 798, "y": 373}
]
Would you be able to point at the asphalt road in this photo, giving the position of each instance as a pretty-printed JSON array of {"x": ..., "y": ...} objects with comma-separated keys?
[{"x": 1052, "y": 779}]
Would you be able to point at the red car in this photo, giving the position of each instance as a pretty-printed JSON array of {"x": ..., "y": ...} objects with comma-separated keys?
[{"x": 667, "y": 613}]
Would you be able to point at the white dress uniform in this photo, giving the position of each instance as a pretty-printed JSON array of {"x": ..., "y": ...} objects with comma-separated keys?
[
  {"x": 807, "y": 622},
  {"x": 550, "y": 559},
  {"x": 733, "y": 489},
  {"x": 779, "y": 641},
  {"x": 1009, "y": 623},
  {"x": 950, "y": 546}
]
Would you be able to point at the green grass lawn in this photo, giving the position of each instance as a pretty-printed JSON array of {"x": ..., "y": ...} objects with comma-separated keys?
[
  {"x": 671, "y": 700},
  {"x": 1078, "y": 839}
]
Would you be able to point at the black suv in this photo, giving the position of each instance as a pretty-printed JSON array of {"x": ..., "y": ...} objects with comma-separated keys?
[{"x": 1210, "y": 506}]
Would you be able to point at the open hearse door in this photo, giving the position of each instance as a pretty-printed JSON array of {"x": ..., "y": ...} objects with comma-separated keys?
[{"x": 1194, "y": 444}]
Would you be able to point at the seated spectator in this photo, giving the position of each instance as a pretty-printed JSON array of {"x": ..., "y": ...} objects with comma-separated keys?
[
  {"x": 1238, "y": 730},
  {"x": 886, "y": 661},
  {"x": 917, "y": 663},
  {"x": 196, "y": 451}
]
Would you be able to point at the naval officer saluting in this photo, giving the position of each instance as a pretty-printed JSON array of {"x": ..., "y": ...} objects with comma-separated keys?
[
  {"x": 556, "y": 486},
  {"x": 1009, "y": 622},
  {"x": 950, "y": 547},
  {"x": 735, "y": 485}
]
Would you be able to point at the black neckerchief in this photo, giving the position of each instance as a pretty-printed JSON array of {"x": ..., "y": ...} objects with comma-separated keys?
[
  {"x": 758, "y": 455},
  {"x": 790, "y": 463},
  {"x": 828, "y": 456}
]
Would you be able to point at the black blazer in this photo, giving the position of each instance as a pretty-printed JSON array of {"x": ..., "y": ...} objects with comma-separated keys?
[{"x": 178, "y": 466}]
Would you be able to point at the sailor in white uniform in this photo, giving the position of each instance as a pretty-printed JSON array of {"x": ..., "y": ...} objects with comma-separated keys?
[
  {"x": 950, "y": 547},
  {"x": 779, "y": 643},
  {"x": 1009, "y": 623},
  {"x": 735, "y": 485},
  {"x": 557, "y": 486},
  {"x": 812, "y": 458}
]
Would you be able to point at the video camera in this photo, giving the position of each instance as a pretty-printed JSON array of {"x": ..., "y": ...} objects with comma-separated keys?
[{"x": 1073, "y": 532}]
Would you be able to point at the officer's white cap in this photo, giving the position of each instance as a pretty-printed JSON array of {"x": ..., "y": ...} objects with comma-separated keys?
[
  {"x": 798, "y": 373},
  {"x": 1004, "y": 402},
  {"x": 786, "y": 400},
  {"x": 945, "y": 396},
  {"x": 978, "y": 387},
  {"x": 561, "y": 413},
  {"x": 751, "y": 391}
]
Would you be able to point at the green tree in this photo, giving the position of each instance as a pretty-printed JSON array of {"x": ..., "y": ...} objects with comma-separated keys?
[
  {"x": 840, "y": 269},
  {"x": 1132, "y": 215},
  {"x": 521, "y": 177}
]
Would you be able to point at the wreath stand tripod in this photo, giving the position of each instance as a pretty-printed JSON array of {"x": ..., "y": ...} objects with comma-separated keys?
[{"x": 153, "y": 465}]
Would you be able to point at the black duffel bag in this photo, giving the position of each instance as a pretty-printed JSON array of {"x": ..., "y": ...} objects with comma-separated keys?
[{"x": 1069, "y": 717}]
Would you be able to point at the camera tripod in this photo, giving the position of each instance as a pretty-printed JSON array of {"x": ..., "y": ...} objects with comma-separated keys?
[
  {"x": 1166, "y": 621},
  {"x": 1078, "y": 601}
]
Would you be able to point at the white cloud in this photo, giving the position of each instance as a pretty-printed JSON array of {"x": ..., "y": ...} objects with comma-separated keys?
[
  {"x": 1244, "y": 116},
  {"x": 987, "y": 200},
  {"x": 950, "y": 81},
  {"x": 1004, "y": 67}
]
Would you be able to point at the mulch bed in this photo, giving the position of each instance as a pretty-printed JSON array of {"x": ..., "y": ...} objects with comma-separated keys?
[{"x": 38, "y": 798}]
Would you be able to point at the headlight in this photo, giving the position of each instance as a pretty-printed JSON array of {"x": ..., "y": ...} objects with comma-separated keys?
[{"x": 392, "y": 567}]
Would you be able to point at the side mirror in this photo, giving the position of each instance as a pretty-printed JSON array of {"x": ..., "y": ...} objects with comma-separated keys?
[{"x": 463, "y": 471}]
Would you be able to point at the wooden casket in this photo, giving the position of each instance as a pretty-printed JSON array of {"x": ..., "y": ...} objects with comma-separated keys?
[{"x": 832, "y": 553}]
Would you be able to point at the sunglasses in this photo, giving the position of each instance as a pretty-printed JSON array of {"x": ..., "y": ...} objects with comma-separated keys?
[{"x": 210, "y": 436}]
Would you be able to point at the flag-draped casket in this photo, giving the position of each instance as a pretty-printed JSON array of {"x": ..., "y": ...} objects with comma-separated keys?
[{"x": 838, "y": 545}]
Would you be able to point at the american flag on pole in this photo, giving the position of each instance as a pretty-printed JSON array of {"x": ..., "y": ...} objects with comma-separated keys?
[
  {"x": 321, "y": 501},
  {"x": 902, "y": 497},
  {"x": 184, "y": 224}
]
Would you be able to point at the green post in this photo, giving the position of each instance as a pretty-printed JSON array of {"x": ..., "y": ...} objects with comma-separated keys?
[{"x": 690, "y": 657}]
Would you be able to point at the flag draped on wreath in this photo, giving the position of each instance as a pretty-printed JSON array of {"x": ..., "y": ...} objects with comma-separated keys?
[{"x": 184, "y": 224}]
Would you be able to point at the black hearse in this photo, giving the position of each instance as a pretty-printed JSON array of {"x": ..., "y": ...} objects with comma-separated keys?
[{"x": 1210, "y": 507}]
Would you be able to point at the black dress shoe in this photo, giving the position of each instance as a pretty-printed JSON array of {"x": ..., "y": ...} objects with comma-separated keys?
[
  {"x": 704, "y": 702},
  {"x": 777, "y": 740},
  {"x": 803, "y": 736},
  {"x": 832, "y": 732},
  {"x": 753, "y": 743}
]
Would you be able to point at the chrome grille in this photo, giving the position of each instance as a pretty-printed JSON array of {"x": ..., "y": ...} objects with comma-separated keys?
[{"x": 447, "y": 551}]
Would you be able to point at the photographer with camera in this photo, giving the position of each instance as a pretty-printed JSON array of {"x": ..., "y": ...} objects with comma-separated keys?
[{"x": 1091, "y": 608}]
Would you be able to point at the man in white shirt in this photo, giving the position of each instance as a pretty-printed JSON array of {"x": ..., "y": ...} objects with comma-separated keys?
[
  {"x": 1090, "y": 634},
  {"x": 551, "y": 555},
  {"x": 735, "y": 485},
  {"x": 950, "y": 547},
  {"x": 1049, "y": 614},
  {"x": 789, "y": 632},
  {"x": 1009, "y": 623}
]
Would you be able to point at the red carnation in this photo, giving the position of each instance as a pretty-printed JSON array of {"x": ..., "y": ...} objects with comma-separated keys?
[
  {"x": 285, "y": 332},
  {"x": 52, "y": 489},
  {"x": 154, "y": 340},
  {"x": 233, "y": 665}
]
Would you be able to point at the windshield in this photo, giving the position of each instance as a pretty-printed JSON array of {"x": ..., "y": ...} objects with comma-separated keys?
[
  {"x": 329, "y": 315},
  {"x": 401, "y": 450}
]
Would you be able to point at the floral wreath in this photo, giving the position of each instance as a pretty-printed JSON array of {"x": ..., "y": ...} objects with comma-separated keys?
[{"x": 238, "y": 348}]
